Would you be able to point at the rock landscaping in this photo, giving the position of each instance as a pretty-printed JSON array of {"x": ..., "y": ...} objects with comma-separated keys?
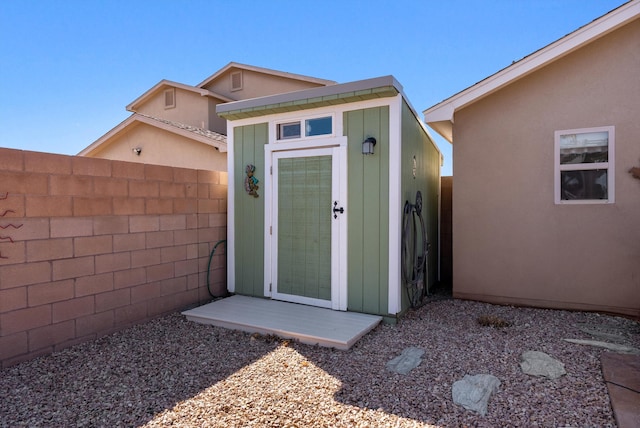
[{"x": 171, "y": 372}]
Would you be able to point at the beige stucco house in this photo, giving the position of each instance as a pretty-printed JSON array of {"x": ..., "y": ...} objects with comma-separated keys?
[
  {"x": 545, "y": 210},
  {"x": 176, "y": 125}
]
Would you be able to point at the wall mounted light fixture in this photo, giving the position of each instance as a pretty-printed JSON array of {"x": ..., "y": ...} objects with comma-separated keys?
[
  {"x": 137, "y": 150},
  {"x": 368, "y": 145}
]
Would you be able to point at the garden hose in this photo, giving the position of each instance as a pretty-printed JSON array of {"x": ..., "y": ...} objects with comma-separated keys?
[
  {"x": 414, "y": 266},
  {"x": 213, "y": 251}
]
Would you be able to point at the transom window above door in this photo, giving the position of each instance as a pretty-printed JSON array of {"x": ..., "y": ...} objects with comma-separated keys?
[{"x": 304, "y": 128}]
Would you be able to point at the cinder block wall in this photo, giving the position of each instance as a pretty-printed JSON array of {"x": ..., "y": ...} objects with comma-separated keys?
[{"x": 91, "y": 246}]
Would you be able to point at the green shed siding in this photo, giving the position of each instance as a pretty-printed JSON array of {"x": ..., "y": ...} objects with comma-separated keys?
[
  {"x": 368, "y": 219},
  {"x": 248, "y": 148},
  {"x": 416, "y": 142}
]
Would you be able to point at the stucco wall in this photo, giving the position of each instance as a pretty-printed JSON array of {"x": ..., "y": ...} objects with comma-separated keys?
[
  {"x": 90, "y": 246},
  {"x": 160, "y": 147},
  {"x": 190, "y": 108},
  {"x": 256, "y": 84},
  {"x": 511, "y": 243}
]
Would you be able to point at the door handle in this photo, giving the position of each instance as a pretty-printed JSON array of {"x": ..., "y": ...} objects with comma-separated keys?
[{"x": 337, "y": 210}]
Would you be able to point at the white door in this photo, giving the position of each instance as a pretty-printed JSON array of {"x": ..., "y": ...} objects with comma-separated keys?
[{"x": 308, "y": 231}]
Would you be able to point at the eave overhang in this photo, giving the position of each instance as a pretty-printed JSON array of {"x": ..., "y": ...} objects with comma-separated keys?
[
  {"x": 165, "y": 84},
  {"x": 440, "y": 117},
  {"x": 207, "y": 137},
  {"x": 380, "y": 87},
  {"x": 223, "y": 70}
]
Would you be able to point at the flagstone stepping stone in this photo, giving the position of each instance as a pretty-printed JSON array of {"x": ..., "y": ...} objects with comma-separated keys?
[
  {"x": 409, "y": 359},
  {"x": 613, "y": 337},
  {"x": 473, "y": 392},
  {"x": 536, "y": 363},
  {"x": 624, "y": 349}
]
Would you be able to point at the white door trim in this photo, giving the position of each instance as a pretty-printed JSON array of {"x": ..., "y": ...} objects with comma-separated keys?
[{"x": 337, "y": 148}]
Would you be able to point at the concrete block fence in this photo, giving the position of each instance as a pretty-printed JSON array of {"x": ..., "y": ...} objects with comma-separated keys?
[{"x": 91, "y": 246}]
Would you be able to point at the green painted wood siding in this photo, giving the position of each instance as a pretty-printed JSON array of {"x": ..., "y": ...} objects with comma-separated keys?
[
  {"x": 248, "y": 148},
  {"x": 368, "y": 224},
  {"x": 416, "y": 142}
]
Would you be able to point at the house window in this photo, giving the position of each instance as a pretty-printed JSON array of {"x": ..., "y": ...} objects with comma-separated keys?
[
  {"x": 236, "y": 81},
  {"x": 312, "y": 128},
  {"x": 319, "y": 126},
  {"x": 584, "y": 170},
  {"x": 169, "y": 98},
  {"x": 289, "y": 130}
]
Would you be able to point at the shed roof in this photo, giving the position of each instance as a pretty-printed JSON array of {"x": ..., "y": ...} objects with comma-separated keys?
[
  {"x": 379, "y": 87},
  {"x": 440, "y": 116}
]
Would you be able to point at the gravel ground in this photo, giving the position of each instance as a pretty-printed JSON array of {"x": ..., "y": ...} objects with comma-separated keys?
[{"x": 171, "y": 372}]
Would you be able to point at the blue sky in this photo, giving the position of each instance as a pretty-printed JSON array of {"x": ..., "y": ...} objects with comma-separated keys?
[{"x": 68, "y": 68}]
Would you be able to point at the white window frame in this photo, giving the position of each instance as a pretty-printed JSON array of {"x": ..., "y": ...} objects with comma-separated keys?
[
  {"x": 302, "y": 121},
  {"x": 609, "y": 166}
]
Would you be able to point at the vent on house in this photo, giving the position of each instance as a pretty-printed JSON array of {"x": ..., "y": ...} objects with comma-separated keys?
[
  {"x": 236, "y": 81},
  {"x": 170, "y": 98}
]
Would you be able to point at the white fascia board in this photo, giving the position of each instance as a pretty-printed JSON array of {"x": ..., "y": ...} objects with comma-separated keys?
[{"x": 556, "y": 50}]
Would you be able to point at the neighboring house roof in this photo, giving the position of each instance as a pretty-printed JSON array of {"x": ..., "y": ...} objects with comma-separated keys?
[
  {"x": 378, "y": 87},
  {"x": 163, "y": 84},
  {"x": 440, "y": 116},
  {"x": 204, "y": 136},
  {"x": 224, "y": 69}
]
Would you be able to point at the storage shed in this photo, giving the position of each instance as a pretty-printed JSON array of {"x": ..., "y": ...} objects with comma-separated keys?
[{"x": 323, "y": 185}]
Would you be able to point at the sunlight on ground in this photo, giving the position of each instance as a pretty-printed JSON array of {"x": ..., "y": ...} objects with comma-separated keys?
[{"x": 283, "y": 389}]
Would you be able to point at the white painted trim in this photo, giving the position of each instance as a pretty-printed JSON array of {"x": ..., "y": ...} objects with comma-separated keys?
[
  {"x": 231, "y": 229},
  {"x": 301, "y": 121},
  {"x": 337, "y": 148},
  {"x": 444, "y": 111},
  {"x": 395, "y": 205},
  {"x": 268, "y": 218},
  {"x": 339, "y": 230}
]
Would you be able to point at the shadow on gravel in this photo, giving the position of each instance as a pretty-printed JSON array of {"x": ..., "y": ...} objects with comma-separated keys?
[{"x": 126, "y": 378}]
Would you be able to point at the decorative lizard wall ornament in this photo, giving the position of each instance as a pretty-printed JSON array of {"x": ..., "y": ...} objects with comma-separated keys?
[{"x": 251, "y": 182}]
